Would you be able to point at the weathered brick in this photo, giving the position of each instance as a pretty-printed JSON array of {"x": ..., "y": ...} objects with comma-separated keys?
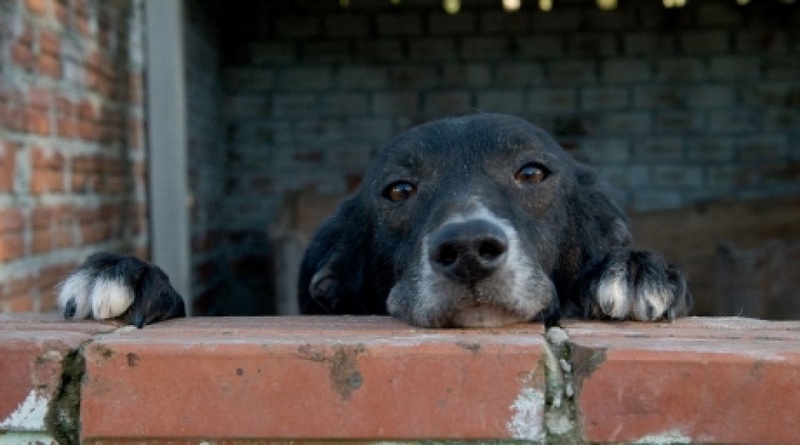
[
  {"x": 342, "y": 25},
  {"x": 293, "y": 105},
  {"x": 372, "y": 51},
  {"x": 541, "y": 46},
  {"x": 606, "y": 150},
  {"x": 484, "y": 48},
  {"x": 12, "y": 243},
  {"x": 578, "y": 72},
  {"x": 432, "y": 49},
  {"x": 557, "y": 20},
  {"x": 298, "y": 26},
  {"x": 463, "y": 23},
  {"x": 270, "y": 53},
  {"x": 552, "y": 100},
  {"x": 762, "y": 148},
  {"x": 412, "y": 76},
  {"x": 375, "y": 129},
  {"x": 249, "y": 79},
  {"x": 33, "y": 355},
  {"x": 659, "y": 149},
  {"x": 659, "y": 97},
  {"x": 518, "y": 74},
  {"x": 680, "y": 122},
  {"x": 663, "y": 375},
  {"x": 771, "y": 94},
  {"x": 626, "y": 70},
  {"x": 592, "y": 45},
  {"x": 719, "y": 14},
  {"x": 626, "y": 122},
  {"x": 400, "y": 24},
  {"x": 327, "y": 51},
  {"x": 315, "y": 78},
  {"x": 646, "y": 43},
  {"x": 677, "y": 176},
  {"x": 619, "y": 19},
  {"x": 362, "y": 77},
  {"x": 711, "y": 97},
  {"x": 397, "y": 103},
  {"x": 680, "y": 69},
  {"x": 604, "y": 98},
  {"x": 348, "y": 363},
  {"x": 734, "y": 68},
  {"x": 715, "y": 149},
  {"x": 499, "y": 101},
  {"x": 782, "y": 68},
  {"x": 472, "y": 75},
  {"x": 343, "y": 104},
  {"x": 705, "y": 42},
  {"x": 761, "y": 40},
  {"x": 644, "y": 200},
  {"x": 729, "y": 122},
  {"x": 8, "y": 166},
  {"x": 450, "y": 103},
  {"x": 501, "y": 22},
  {"x": 315, "y": 132}
]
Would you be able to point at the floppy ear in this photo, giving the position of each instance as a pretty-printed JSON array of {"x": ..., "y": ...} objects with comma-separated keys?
[
  {"x": 332, "y": 274},
  {"x": 607, "y": 227}
]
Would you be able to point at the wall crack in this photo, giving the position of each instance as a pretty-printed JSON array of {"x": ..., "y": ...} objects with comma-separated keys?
[{"x": 561, "y": 422}]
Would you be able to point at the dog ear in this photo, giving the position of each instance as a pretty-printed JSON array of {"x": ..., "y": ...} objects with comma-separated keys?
[
  {"x": 333, "y": 268},
  {"x": 608, "y": 226}
]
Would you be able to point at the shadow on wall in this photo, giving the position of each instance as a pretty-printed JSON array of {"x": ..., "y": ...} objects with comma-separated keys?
[{"x": 742, "y": 257}]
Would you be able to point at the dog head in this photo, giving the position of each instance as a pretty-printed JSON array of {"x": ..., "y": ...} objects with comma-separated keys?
[{"x": 481, "y": 220}]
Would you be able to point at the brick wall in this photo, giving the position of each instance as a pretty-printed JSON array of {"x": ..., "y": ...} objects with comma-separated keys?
[
  {"x": 673, "y": 106},
  {"x": 72, "y": 159},
  {"x": 374, "y": 379}
]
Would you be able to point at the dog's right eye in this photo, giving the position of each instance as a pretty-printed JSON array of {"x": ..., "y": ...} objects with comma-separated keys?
[
  {"x": 532, "y": 173},
  {"x": 399, "y": 191}
]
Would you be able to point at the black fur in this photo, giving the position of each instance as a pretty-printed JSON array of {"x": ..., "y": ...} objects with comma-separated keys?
[{"x": 473, "y": 221}]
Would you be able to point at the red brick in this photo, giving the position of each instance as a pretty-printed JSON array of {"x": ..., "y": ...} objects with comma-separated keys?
[
  {"x": 36, "y": 6},
  {"x": 312, "y": 378},
  {"x": 31, "y": 352},
  {"x": 49, "y": 65},
  {"x": 8, "y": 157},
  {"x": 22, "y": 55},
  {"x": 50, "y": 43},
  {"x": 37, "y": 121},
  {"x": 12, "y": 224},
  {"x": 704, "y": 380},
  {"x": 48, "y": 171},
  {"x": 23, "y": 303}
]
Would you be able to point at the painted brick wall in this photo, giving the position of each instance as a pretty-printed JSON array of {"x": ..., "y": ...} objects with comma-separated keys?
[
  {"x": 673, "y": 107},
  {"x": 72, "y": 158}
]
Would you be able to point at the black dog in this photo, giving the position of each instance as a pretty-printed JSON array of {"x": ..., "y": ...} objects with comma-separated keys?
[{"x": 467, "y": 222}]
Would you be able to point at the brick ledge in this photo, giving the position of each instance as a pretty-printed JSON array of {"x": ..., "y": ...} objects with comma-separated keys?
[{"x": 709, "y": 380}]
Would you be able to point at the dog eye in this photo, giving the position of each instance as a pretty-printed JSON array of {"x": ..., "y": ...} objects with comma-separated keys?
[
  {"x": 399, "y": 191},
  {"x": 531, "y": 174}
]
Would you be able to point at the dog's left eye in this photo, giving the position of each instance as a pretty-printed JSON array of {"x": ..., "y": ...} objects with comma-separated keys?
[
  {"x": 399, "y": 191},
  {"x": 531, "y": 174}
]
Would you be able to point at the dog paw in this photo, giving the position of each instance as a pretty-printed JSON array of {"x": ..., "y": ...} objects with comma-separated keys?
[
  {"x": 636, "y": 285},
  {"x": 111, "y": 286}
]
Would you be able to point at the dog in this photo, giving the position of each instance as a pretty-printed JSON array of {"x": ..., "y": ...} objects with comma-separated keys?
[{"x": 474, "y": 221}]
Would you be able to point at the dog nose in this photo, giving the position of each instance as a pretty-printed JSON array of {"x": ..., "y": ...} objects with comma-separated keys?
[{"x": 468, "y": 252}]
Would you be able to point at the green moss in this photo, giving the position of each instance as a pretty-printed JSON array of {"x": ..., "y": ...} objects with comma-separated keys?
[{"x": 63, "y": 417}]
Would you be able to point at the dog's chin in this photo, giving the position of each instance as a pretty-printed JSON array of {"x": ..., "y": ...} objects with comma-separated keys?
[{"x": 484, "y": 316}]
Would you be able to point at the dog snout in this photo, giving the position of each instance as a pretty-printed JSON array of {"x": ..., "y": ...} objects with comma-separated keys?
[{"x": 469, "y": 251}]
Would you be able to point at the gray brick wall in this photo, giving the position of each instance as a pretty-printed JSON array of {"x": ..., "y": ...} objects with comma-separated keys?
[{"x": 672, "y": 107}]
